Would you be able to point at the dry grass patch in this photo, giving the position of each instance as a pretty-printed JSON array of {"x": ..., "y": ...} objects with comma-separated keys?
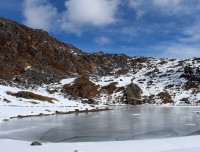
[{"x": 31, "y": 95}]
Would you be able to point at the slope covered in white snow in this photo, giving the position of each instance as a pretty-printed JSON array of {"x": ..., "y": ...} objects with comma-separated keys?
[
  {"x": 155, "y": 81},
  {"x": 182, "y": 144},
  {"x": 11, "y": 106}
]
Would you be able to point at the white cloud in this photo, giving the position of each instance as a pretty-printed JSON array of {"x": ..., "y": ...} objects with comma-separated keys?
[
  {"x": 166, "y": 6},
  {"x": 167, "y": 3},
  {"x": 78, "y": 13},
  {"x": 140, "y": 14},
  {"x": 179, "y": 51},
  {"x": 39, "y": 14},
  {"x": 192, "y": 33},
  {"x": 71, "y": 27},
  {"x": 139, "y": 7},
  {"x": 103, "y": 40},
  {"x": 95, "y": 12},
  {"x": 130, "y": 31},
  {"x": 134, "y": 3},
  {"x": 177, "y": 7},
  {"x": 137, "y": 3},
  {"x": 169, "y": 7}
]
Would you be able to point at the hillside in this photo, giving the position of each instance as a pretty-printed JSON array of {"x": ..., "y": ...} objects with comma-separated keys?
[{"x": 41, "y": 75}]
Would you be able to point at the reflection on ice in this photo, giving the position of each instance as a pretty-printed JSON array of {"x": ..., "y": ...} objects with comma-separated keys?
[
  {"x": 136, "y": 114},
  {"x": 122, "y": 123},
  {"x": 190, "y": 124}
]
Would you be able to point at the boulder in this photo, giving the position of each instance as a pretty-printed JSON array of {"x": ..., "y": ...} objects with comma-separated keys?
[
  {"x": 132, "y": 94},
  {"x": 82, "y": 87},
  {"x": 109, "y": 88},
  {"x": 165, "y": 97},
  {"x": 36, "y": 143}
]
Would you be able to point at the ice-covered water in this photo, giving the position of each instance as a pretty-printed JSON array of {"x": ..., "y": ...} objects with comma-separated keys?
[{"x": 122, "y": 123}]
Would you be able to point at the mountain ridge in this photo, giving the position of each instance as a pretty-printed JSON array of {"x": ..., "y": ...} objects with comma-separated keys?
[{"x": 33, "y": 59}]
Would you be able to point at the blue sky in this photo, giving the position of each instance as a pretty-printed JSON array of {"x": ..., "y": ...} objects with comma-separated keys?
[{"x": 157, "y": 28}]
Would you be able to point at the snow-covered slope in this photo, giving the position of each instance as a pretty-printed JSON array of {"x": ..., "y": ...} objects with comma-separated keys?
[
  {"x": 156, "y": 81},
  {"x": 13, "y": 106},
  {"x": 157, "y": 77},
  {"x": 181, "y": 144}
]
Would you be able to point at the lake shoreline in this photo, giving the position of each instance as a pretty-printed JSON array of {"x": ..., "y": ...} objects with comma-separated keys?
[
  {"x": 19, "y": 116},
  {"x": 57, "y": 113}
]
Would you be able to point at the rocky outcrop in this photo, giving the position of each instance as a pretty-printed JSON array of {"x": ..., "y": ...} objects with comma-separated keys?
[
  {"x": 165, "y": 97},
  {"x": 109, "y": 88},
  {"x": 132, "y": 94},
  {"x": 82, "y": 87},
  {"x": 192, "y": 75},
  {"x": 190, "y": 85},
  {"x": 22, "y": 47}
]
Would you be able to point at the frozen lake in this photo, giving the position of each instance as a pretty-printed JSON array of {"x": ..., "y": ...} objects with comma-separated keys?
[{"x": 122, "y": 123}]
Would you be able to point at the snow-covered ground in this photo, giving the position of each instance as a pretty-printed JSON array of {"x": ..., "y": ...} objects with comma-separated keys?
[
  {"x": 181, "y": 144},
  {"x": 153, "y": 78},
  {"x": 11, "y": 106}
]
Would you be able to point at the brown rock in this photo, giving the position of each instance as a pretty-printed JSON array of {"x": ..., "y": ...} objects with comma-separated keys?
[
  {"x": 132, "y": 94},
  {"x": 165, "y": 97},
  {"x": 82, "y": 87},
  {"x": 122, "y": 72},
  {"x": 109, "y": 88},
  {"x": 30, "y": 95}
]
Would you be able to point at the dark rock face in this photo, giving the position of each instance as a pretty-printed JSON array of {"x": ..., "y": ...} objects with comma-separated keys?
[
  {"x": 165, "y": 97},
  {"x": 190, "y": 85},
  {"x": 185, "y": 100},
  {"x": 82, "y": 87},
  {"x": 192, "y": 74},
  {"x": 109, "y": 88},
  {"x": 132, "y": 94},
  {"x": 38, "y": 76},
  {"x": 149, "y": 99},
  {"x": 21, "y": 47}
]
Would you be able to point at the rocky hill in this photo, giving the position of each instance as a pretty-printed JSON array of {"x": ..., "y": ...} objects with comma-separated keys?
[
  {"x": 32, "y": 61},
  {"x": 22, "y": 47}
]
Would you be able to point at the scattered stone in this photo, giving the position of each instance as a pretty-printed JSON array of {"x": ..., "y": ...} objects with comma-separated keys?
[
  {"x": 5, "y": 120},
  {"x": 19, "y": 116},
  {"x": 36, "y": 143},
  {"x": 6, "y": 100}
]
